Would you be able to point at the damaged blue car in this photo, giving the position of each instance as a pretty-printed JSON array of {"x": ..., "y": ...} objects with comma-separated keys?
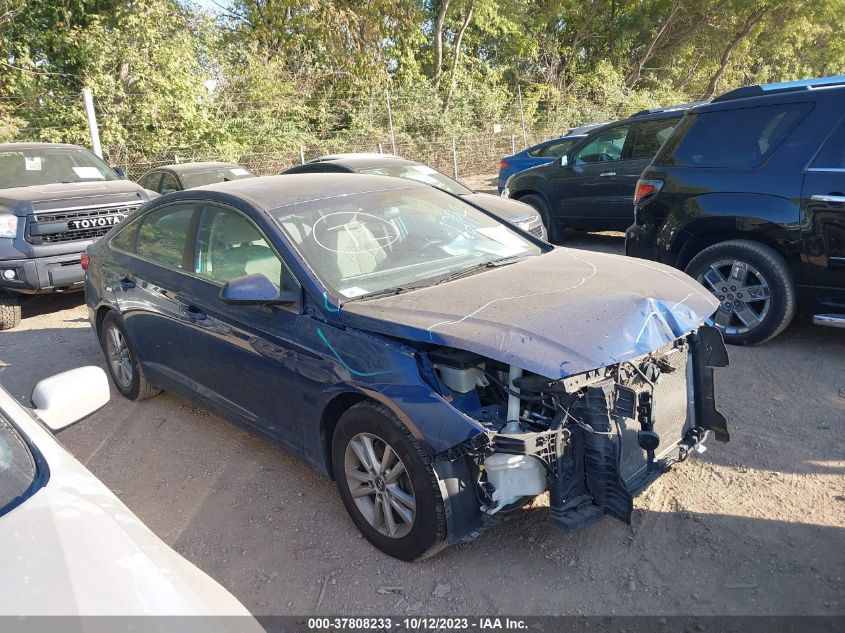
[{"x": 441, "y": 365}]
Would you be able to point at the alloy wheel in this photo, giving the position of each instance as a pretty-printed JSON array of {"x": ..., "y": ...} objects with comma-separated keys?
[
  {"x": 119, "y": 357},
  {"x": 380, "y": 485},
  {"x": 743, "y": 292}
]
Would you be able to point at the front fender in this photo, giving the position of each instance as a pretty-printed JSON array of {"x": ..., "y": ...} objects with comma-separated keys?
[{"x": 335, "y": 360}]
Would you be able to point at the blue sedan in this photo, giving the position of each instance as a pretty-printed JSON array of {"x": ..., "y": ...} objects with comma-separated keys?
[
  {"x": 441, "y": 365},
  {"x": 541, "y": 153}
]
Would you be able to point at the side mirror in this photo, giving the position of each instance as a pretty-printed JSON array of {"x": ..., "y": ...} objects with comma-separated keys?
[
  {"x": 564, "y": 160},
  {"x": 256, "y": 289},
  {"x": 68, "y": 397},
  {"x": 119, "y": 171}
]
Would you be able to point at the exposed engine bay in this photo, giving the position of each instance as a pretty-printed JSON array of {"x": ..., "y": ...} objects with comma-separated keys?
[{"x": 593, "y": 440}]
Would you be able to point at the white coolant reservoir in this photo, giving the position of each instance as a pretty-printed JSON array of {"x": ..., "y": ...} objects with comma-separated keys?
[{"x": 513, "y": 477}]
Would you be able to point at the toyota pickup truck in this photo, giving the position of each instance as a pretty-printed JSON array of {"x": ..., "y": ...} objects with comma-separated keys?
[{"x": 54, "y": 201}]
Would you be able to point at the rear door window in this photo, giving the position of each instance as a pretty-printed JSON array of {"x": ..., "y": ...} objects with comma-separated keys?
[
  {"x": 163, "y": 235},
  {"x": 650, "y": 136},
  {"x": 742, "y": 137}
]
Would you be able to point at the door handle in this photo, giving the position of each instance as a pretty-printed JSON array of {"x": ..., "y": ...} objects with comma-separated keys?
[
  {"x": 127, "y": 283},
  {"x": 608, "y": 173},
  {"x": 835, "y": 199}
]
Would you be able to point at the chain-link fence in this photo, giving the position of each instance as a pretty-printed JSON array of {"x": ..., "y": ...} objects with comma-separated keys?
[{"x": 269, "y": 141}]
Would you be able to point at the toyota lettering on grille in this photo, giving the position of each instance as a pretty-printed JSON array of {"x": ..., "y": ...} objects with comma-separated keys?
[{"x": 93, "y": 223}]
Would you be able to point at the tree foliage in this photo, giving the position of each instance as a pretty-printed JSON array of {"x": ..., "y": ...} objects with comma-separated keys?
[{"x": 261, "y": 75}]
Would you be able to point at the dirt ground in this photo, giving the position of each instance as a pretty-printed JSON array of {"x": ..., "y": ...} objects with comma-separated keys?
[{"x": 756, "y": 526}]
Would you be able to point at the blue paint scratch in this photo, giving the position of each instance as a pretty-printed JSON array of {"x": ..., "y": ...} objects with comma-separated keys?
[{"x": 342, "y": 362}]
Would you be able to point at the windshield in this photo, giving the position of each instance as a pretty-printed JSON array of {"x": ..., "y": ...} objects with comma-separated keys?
[
  {"x": 18, "y": 472},
  {"x": 365, "y": 243},
  {"x": 212, "y": 176},
  {"x": 420, "y": 173},
  {"x": 49, "y": 165}
]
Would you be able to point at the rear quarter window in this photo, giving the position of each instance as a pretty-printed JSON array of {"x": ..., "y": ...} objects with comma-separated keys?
[{"x": 740, "y": 138}]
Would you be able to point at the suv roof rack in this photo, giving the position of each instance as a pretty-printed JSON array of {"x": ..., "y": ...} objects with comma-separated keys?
[
  {"x": 670, "y": 108},
  {"x": 784, "y": 86}
]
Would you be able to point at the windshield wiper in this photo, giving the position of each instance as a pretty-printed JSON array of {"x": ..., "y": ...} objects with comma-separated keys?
[
  {"x": 479, "y": 267},
  {"x": 386, "y": 292}
]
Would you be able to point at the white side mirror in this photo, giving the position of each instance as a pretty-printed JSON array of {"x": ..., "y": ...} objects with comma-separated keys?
[{"x": 68, "y": 397}]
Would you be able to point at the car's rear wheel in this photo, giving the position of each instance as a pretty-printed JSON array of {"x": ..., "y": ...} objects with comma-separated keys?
[
  {"x": 555, "y": 232},
  {"x": 754, "y": 286},
  {"x": 10, "y": 310},
  {"x": 122, "y": 361},
  {"x": 387, "y": 484}
]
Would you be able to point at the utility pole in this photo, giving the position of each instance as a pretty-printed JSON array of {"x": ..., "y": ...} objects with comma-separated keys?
[
  {"x": 522, "y": 115},
  {"x": 390, "y": 123},
  {"x": 92, "y": 121}
]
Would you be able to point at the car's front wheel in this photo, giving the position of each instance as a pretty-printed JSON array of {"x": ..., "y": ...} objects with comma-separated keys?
[
  {"x": 754, "y": 286},
  {"x": 387, "y": 484},
  {"x": 122, "y": 361}
]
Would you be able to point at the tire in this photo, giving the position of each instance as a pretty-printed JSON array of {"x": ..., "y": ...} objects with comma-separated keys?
[
  {"x": 747, "y": 269},
  {"x": 425, "y": 534},
  {"x": 135, "y": 386},
  {"x": 554, "y": 232},
  {"x": 10, "y": 310}
]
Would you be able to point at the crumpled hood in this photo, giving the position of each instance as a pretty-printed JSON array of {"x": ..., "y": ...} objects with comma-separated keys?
[
  {"x": 505, "y": 208},
  {"x": 557, "y": 314}
]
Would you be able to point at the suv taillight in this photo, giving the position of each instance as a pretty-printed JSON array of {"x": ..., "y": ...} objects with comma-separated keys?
[
  {"x": 503, "y": 164},
  {"x": 85, "y": 261},
  {"x": 646, "y": 189}
]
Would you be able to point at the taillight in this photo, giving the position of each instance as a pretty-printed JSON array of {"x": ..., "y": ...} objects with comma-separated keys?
[
  {"x": 646, "y": 189},
  {"x": 503, "y": 163},
  {"x": 85, "y": 261}
]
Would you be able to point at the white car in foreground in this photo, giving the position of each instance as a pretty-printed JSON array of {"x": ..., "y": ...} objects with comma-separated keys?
[{"x": 68, "y": 545}]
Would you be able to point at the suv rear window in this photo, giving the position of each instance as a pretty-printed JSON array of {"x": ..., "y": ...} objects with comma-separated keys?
[{"x": 732, "y": 138}]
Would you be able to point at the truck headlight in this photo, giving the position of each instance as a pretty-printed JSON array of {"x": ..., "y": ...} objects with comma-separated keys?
[{"x": 8, "y": 225}]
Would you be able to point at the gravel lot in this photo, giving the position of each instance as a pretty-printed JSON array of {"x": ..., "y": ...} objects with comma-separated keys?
[{"x": 756, "y": 526}]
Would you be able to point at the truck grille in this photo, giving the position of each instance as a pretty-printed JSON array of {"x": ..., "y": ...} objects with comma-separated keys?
[
  {"x": 670, "y": 411},
  {"x": 74, "y": 225}
]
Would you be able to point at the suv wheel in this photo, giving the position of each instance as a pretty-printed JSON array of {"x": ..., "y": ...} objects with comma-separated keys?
[
  {"x": 10, "y": 310},
  {"x": 754, "y": 286},
  {"x": 387, "y": 484},
  {"x": 122, "y": 361},
  {"x": 554, "y": 232}
]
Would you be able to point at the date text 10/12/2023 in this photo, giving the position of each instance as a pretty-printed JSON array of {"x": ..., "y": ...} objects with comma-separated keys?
[{"x": 420, "y": 623}]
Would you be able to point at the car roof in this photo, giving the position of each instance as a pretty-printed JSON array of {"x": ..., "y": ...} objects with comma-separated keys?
[
  {"x": 582, "y": 129},
  {"x": 346, "y": 155},
  {"x": 363, "y": 161},
  {"x": 759, "y": 90},
  {"x": 273, "y": 192},
  {"x": 186, "y": 168},
  {"x": 12, "y": 147}
]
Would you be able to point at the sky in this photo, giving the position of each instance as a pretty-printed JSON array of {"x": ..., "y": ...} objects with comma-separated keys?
[{"x": 211, "y": 5}]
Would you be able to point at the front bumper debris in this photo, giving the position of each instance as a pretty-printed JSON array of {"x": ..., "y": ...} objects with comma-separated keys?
[{"x": 632, "y": 424}]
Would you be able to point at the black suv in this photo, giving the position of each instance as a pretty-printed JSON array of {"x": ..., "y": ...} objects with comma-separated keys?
[
  {"x": 592, "y": 186},
  {"x": 748, "y": 197}
]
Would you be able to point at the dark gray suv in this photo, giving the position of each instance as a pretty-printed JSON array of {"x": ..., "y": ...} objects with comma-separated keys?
[{"x": 54, "y": 201}]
